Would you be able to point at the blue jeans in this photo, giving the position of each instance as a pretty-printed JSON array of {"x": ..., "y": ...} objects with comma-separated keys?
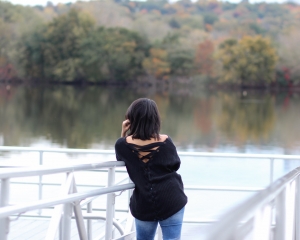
[{"x": 171, "y": 227}]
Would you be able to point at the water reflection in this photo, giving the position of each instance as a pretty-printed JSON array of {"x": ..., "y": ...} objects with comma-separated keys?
[
  {"x": 246, "y": 119},
  {"x": 195, "y": 119}
]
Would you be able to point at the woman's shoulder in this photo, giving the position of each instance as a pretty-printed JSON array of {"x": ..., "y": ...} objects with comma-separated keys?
[
  {"x": 120, "y": 142},
  {"x": 163, "y": 137}
]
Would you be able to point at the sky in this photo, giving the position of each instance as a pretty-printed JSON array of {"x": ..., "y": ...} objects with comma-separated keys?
[
  {"x": 43, "y": 2},
  {"x": 38, "y": 2}
]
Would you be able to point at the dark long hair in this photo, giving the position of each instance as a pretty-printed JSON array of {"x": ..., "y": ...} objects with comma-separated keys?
[{"x": 144, "y": 119}]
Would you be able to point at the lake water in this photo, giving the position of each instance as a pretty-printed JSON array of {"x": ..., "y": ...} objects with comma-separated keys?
[{"x": 196, "y": 119}]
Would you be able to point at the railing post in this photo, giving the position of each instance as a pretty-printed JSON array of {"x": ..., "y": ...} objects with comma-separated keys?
[
  {"x": 65, "y": 228},
  {"x": 280, "y": 227},
  {"x": 271, "y": 170},
  {"x": 159, "y": 233},
  {"x": 290, "y": 210},
  {"x": 40, "y": 181},
  {"x": 110, "y": 205},
  {"x": 79, "y": 217},
  {"x": 262, "y": 223},
  {"x": 297, "y": 213},
  {"x": 89, "y": 222},
  {"x": 4, "y": 201}
]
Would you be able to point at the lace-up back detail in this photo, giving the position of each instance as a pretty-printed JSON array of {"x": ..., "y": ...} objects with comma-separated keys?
[
  {"x": 158, "y": 192},
  {"x": 146, "y": 152}
]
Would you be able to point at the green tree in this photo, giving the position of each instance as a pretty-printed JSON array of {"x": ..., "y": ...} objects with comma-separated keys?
[
  {"x": 252, "y": 60},
  {"x": 54, "y": 52},
  {"x": 113, "y": 53},
  {"x": 15, "y": 20},
  {"x": 156, "y": 64},
  {"x": 180, "y": 58}
]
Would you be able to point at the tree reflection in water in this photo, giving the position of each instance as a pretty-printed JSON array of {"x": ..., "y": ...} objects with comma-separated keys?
[
  {"x": 245, "y": 119},
  {"x": 90, "y": 117}
]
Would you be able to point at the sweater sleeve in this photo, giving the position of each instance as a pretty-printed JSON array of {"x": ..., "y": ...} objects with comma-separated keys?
[
  {"x": 176, "y": 160},
  {"x": 117, "y": 150}
]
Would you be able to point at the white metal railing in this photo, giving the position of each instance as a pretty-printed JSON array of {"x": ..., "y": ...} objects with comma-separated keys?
[
  {"x": 66, "y": 203},
  {"x": 93, "y": 167},
  {"x": 41, "y": 151},
  {"x": 273, "y": 213}
]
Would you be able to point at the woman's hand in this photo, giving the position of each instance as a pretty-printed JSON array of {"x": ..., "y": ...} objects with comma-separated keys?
[{"x": 125, "y": 127}]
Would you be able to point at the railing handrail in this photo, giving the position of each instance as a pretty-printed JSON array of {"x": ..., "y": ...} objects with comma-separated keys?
[
  {"x": 230, "y": 220},
  {"x": 44, "y": 170},
  {"x": 10, "y": 210},
  {"x": 55, "y": 150},
  {"x": 66, "y": 203},
  {"x": 240, "y": 155},
  {"x": 181, "y": 153}
]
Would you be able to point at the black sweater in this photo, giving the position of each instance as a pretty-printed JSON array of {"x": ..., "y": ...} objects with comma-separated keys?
[{"x": 158, "y": 192}]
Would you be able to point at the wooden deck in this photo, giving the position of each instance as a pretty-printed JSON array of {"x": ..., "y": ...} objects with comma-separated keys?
[{"x": 35, "y": 229}]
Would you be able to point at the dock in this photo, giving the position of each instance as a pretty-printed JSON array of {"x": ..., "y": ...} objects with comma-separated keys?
[{"x": 78, "y": 207}]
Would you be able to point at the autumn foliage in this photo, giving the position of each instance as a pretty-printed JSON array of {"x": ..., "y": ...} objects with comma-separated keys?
[
  {"x": 119, "y": 41},
  {"x": 204, "y": 61}
]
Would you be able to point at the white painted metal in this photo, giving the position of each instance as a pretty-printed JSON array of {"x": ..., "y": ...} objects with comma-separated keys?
[
  {"x": 65, "y": 221},
  {"x": 297, "y": 213},
  {"x": 78, "y": 216},
  {"x": 280, "y": 215},
  {"x": 42, "y": 170},
  {"x": 56, "y": 150},
  {"x": 259, "y": 207},
  {"x": 159, "y": 233},
  {"x": 271, "y": 170},
  {"x": 222, "y": 188},
  {"x": 10, "y": 210},
  {"x": 186, "y": 187},
  {"x": 58, "y": 210},
  {"x": 110, "y": 205},
  {"x": 89, "y": 222},
  {"x": 68, "y": 197},
  {"x": 191, "y": 154},
  {"x": 4, "y": 201}
]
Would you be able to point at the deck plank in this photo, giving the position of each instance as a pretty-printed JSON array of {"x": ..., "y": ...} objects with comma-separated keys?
[
  {"x": 193, "y": 231},
  {"x": 30, "y": 227},
  {"x": 36, "y": 229}
]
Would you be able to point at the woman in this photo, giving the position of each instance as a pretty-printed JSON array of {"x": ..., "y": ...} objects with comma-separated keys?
[{"x": 151, "y": 160}]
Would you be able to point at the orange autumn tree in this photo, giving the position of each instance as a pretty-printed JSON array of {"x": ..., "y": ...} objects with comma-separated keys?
[
  {"x": 157, "y": 63},
  {"x": 204, "y": 61}
]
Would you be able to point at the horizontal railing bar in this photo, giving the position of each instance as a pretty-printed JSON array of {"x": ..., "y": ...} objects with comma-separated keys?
[
  {"x": 103, "y": 170},
  {"x": 83, "y": 209},
  {"x": 56, "y": 150},
  {"x": 248, "y": 207},
  {"x": 91, "y": 170},
  {"x": 10, "y": 210},
  {"x": 240, "y": 155},
  {"x": 87, "y": 201},
  {"x": 86, "y": 216},
  {"x": 54, "y": 184},
  {"x": 222, "y": 188},
  {"x": 193, "y": 188},
  {"x": 181, "y": 153},
  {"x": 43, "y": 170}
]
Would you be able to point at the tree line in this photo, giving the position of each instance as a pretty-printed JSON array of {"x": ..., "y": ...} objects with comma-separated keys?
[{"x": 124, "y": 41}]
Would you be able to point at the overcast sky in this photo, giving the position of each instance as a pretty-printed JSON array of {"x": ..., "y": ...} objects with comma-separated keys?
[
  {"x": 43, "y": 2},
  {"x": 38, "y": 2}
]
